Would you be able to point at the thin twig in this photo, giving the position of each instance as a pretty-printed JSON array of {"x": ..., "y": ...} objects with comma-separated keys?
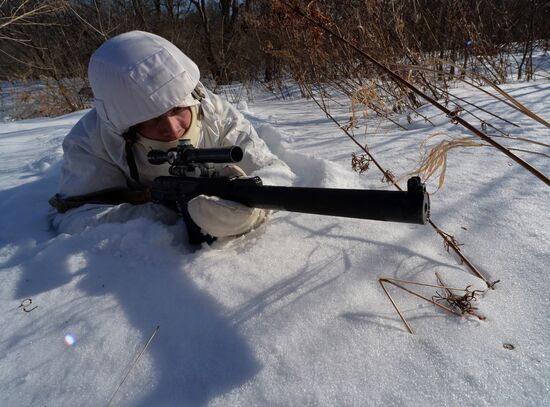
[
  {"x": 441, "y": 285},
  {"x": 134, "y": 364},
  {"x": 381, "y": 281},
  {"x": 526, "y": 140},
  {"x": 530, "y": 152},
  {"x": 452, "y": 244},
  {"x": 101, "y": 33}
]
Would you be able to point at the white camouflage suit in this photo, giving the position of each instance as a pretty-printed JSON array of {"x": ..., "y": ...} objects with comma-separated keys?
[{"x": 135, "y": 77}]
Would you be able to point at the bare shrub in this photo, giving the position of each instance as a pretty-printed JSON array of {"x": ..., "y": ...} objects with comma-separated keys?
[
  {"x": 263, "y": 39},
  {"x": 358, "y": 50}
]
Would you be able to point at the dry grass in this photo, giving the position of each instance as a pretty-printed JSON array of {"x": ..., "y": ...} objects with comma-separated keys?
[
  {"x": 45, "y": 98},
  {"x": 435, "y": 159},
  {"x": 360, "y": 162}
]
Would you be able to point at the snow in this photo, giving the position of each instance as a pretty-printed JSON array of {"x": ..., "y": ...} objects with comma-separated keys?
[{"x": 292, "y": 313}]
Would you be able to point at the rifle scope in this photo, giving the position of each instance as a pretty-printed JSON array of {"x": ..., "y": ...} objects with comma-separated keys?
[{"x": 185, "y": 154}]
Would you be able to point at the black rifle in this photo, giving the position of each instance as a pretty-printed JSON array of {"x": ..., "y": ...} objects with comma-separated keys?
[{"x": 192, "y": 174}]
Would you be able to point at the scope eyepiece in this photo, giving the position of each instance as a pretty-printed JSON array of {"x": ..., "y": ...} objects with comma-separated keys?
[{"x": 157, "y": 157}]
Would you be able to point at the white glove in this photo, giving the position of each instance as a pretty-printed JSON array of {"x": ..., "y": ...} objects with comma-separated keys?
[
  {"x": 232, "y": 170},
  {"x": 221, "y": 218}
]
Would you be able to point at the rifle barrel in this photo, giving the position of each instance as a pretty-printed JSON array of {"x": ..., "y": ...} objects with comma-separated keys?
[{"x": 392, "y": 206}]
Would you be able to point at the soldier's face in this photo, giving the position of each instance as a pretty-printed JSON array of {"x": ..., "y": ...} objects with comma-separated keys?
[{"x": 169, "y": 126}]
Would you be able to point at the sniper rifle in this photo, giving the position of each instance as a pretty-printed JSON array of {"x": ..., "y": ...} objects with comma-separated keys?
[{"x": 193, "y": 173}]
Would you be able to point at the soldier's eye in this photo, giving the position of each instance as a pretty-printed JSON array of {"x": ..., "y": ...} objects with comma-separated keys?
[{"x": 177, "y": 110}]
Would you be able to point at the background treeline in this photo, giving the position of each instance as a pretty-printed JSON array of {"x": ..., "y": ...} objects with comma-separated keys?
[{"x": 50, "y": 41}]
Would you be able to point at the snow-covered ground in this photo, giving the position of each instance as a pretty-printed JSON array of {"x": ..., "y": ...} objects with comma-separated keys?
[{"x": 292, "y": 313}]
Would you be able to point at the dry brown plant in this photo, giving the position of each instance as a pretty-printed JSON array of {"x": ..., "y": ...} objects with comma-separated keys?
[
  {"x": 460, "y": 305},
  {"x": 362, "y": 98},
  {"x": 435, "y": 159},
  {"x": 360, "y": 162},
  {"x": 45, "y": 98}
]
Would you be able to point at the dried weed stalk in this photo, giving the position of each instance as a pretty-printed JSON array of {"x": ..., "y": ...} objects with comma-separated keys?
[
  {"x": 449, "y": 240},
  {"x": 388, "y": 177},
  {"x": 450, "y": 302}
]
